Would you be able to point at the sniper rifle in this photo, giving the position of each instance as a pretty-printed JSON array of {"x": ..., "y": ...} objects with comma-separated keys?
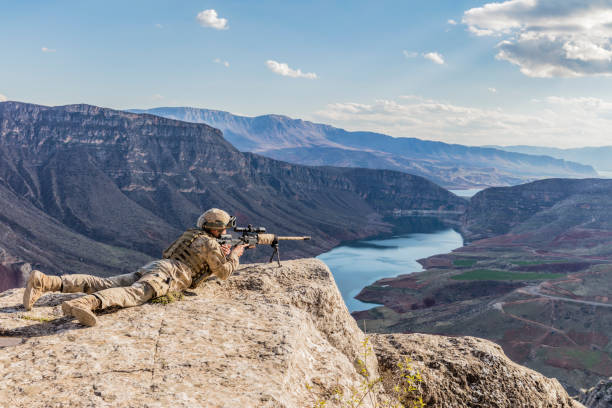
[{"x": 257, "y": 236}]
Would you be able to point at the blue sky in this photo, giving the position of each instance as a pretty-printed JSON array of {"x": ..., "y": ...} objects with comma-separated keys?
[{"x": 472, "y": 72}]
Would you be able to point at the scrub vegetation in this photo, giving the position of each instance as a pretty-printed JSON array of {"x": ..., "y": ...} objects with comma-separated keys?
[
  {"x": 491, "y": 274},
  {"x": 464, "y": 262},
  {"x": 405, "y": 392}
]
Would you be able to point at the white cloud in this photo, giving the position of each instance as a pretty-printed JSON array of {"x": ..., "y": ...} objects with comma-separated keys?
[
  {"x": 45, "y": 49},
  {"x": 410, "y": 54},
  {"x": 283, "y": 69},
  {"x": 435, "y": 57},
  {"x": 158, "y": 97},
  {"x": 209, "y": 18},
  {"x": 3, "y": 98},
  {"x": 492, "y": 90},
  {"x": 452, "y": 22},
  {"x": 219, "y": 61},
  {"x": 549, "y": 38},
  {"x": 552, "y": 121},
  {"x": 159, "y": 25}
]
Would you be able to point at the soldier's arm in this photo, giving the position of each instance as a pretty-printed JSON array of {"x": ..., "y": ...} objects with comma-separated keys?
[{"x": 219, "y": 265}]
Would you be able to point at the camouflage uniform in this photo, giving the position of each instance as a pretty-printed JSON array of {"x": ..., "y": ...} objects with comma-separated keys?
[
  {"x": 155, "y": 279},
  {"x": 194, "y": 256}
]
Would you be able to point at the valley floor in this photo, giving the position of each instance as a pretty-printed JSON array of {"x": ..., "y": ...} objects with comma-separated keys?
[{"x": 549, "y": 310}]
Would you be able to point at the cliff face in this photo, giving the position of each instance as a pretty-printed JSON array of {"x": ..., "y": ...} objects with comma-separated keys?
[
  {"x": 131, "y": 183},
  {"x": 255, "y": 340}
]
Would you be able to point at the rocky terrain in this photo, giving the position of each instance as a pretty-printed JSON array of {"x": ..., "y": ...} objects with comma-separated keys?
[
  {"x": 450, "y": 165},
  {"x": 267, "y": 337},
  {"x": 94, "y": 190},
  {"x": 536, "y": 279},
  {"x": 599, "y": 396}
]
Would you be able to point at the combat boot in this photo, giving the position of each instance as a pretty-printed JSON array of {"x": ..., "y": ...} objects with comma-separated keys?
[
  {"x": 83, "y": 309},
  {"x": 39, "y": 283}
]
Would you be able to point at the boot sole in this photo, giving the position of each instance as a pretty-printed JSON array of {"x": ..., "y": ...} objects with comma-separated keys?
[{"x": 84, "y": 316}]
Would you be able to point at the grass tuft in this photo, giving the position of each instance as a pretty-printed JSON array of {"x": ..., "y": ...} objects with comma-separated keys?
[
  {"x": 169, "y": 298},
  {"x": 37, "y": 318}
]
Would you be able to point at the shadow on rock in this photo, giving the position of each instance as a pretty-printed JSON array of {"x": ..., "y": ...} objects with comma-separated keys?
[
  {"x": 44, "y": 319},
  {"x": 41, "y": 329},
  {"x": 55, "y": 299}
]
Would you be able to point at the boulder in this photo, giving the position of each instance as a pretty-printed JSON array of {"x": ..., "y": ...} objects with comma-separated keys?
[
  {"x": 599, "y": 396},
  {"x": 467, "y": 372}
]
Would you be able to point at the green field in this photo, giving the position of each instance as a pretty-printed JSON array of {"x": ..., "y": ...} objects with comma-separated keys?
[
  {"x": 464, "y": 262},
  {"x": 580, "y": 358},
  {"x": 543, "y": 262},
  {"x": 491, "y": 274},
  {"x": 590, "y": 358}
]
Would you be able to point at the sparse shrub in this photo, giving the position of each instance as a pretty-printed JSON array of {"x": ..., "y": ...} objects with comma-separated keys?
[
  {"x": 429, "y": 301},
  {"x": 405, "y": 391},
  {"x": 168, "y": 298}
]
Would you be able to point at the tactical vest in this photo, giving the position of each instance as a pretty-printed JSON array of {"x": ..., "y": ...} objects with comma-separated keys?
[{"x": 180, "y": 250}]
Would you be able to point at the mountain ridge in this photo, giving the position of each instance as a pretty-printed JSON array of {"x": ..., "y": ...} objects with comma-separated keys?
[
  {"x": 597, "y": 156},
  {"x": 305, "y": 142}
]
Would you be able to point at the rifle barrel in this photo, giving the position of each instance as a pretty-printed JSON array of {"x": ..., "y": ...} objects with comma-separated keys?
[{"x": 304, "y": 238}]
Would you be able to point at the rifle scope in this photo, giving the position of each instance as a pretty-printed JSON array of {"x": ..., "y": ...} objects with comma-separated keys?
[{"x": 250, "y": 228}]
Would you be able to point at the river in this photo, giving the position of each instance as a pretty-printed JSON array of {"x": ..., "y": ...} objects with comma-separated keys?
[{"x": 358, "y": 264}]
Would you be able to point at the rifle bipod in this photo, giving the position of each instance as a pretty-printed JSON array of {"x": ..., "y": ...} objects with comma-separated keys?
[{"x": 275, "y": 246}]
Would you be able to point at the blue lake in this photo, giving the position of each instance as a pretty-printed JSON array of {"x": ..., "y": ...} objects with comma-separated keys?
[
  {"x": 358, "y": 264},
  {"x": 467, "y": 192}
]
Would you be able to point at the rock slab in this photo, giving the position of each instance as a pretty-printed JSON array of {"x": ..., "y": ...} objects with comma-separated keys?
[{"x": 255, "y": 340}]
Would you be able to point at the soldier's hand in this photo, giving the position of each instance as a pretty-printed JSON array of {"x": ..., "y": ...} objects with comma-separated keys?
[
  {"x": 239, "y": 249},
  {"x": 226, "y": 249}
]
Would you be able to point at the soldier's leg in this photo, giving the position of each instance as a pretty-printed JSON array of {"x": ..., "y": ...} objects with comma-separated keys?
[
  {"x": 90, "y": 284},
  {"x": 83, "y": 308},
  {"x": 39, "y": 283}
]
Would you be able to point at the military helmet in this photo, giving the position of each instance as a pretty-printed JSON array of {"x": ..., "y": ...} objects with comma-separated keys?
[{"x": 216, "y": 219}]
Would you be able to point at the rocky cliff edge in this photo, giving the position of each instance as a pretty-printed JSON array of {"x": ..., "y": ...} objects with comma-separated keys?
[{"x": 256, "y": 340}]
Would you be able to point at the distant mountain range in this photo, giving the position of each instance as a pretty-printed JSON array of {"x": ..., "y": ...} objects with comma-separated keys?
[
  {"x": 598, "y": 157},
  {"x": 303, "y": 142},
  {"x": 94, "y": 190}
]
